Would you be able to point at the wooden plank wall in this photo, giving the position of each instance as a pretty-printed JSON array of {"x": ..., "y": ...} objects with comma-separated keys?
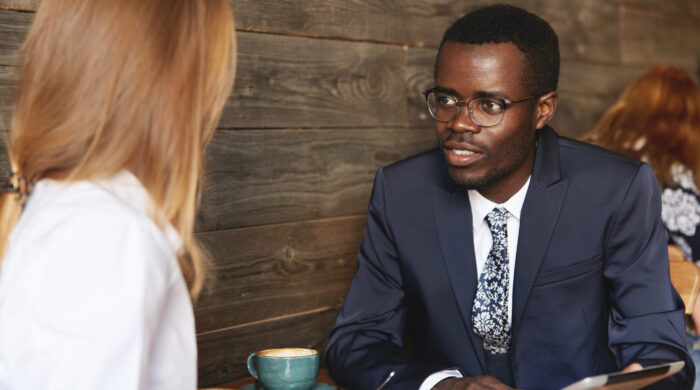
[{"x": 327, "y": 92}]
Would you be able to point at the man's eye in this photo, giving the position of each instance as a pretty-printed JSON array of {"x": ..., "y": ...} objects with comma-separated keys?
[
  {"x": 446, "y": 101},
  {"x": 491, "y": 106}
]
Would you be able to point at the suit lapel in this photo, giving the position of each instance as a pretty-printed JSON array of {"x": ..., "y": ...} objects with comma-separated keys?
[
  {"x": 454, "y": 224},
  {"x": 538, "y": 218}
]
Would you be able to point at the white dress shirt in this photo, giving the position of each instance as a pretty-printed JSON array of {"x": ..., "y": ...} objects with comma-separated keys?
[
  {"x": 481, "y": 206},
  {"x": 91, "y": 294}
]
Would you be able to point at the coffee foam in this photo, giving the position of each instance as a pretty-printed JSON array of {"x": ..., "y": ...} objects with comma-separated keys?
[{"x": 287, "y": 352}]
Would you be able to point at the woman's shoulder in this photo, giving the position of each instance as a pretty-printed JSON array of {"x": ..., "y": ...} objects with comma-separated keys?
[
  {"x": 87, "y": 222},
  {"x": 84, "y": 200},
  {"x": 82, "y": 263},
  {"x": 53, "y": 204}
]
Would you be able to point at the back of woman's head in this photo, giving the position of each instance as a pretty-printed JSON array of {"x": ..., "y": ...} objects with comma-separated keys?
[
  {"x": 131, "y": 84},
  {"x": 656, "y": 119}
]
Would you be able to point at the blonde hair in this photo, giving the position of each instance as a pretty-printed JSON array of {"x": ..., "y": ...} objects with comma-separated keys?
[
  {"x": 657, "y": 120},
  {"x": 131, "y": 84}
]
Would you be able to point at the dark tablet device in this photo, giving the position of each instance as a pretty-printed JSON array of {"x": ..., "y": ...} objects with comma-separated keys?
[{"x": 627, "y": 380}]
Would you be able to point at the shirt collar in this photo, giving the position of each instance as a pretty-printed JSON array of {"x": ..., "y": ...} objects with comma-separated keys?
[{"x": 481, "y": 206}]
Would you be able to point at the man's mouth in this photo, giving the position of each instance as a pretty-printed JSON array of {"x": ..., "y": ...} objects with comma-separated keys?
[
  {"x": 461, "y": 157},
  {"x": 462, "y": 152}
]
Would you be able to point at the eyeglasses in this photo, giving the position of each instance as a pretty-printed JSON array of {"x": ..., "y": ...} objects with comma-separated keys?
[{"x": 484, "y": 112}]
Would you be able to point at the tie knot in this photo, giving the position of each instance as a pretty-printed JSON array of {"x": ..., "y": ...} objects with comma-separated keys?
[{"x": 496, "y": 219}]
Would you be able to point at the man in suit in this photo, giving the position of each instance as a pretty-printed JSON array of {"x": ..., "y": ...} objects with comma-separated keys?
[{"x": 509, "y": 256}]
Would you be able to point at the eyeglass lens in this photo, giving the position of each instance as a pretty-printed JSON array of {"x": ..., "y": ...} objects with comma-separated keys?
[{"x": 482, "y": 111}]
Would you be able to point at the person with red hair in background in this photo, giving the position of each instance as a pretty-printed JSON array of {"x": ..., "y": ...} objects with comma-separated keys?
[{"x": 656, "y": 119}]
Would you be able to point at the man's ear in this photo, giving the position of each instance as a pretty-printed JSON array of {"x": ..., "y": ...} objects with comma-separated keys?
[{"x": 544, "y": 111}]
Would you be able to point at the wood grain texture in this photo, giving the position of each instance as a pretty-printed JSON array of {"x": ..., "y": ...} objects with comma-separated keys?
[
  {"x": 13, "y": 30},
  {"x": 4, "y": 160},
  {"x": 223, "y": 354},
  {"x": 585, "y": 92},
  {"x": 272, "y": 176},
  {"x": 277, "y": 270},
  {"x": 587, "y": 29},
  {"x": 301, "y": 82},
  {"x": 8, "y": 89},
  {"x": 398, "y": 21},
  {"x": 681, "y": 8},
  {"x": 416, "y": 22},
  {"x": 24, "y": 5},
  {"x": 420, "y": 65},
  {"x": 650, "y": 39},
  {"x": 578, "y": 114},
  {"x": 285, "y": 82}
]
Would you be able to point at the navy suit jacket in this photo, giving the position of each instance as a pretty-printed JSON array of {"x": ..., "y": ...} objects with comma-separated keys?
[{"x": 591, "y": 288}]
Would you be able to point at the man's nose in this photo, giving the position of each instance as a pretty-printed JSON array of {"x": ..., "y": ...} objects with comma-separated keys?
[{"x": 463, "y": 122}]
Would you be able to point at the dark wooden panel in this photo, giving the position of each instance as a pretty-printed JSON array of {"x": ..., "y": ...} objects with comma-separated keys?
[
  {"x": 277, "y": 270},
  {"x": 25, "y": 5},
  {"x": 600, "y": 81},
  {"x": 287, "y": 82},
  {"x": 578, "y": 114},
  {"x": 587, "y": 29},
  {"x": 417, "y": 22},
  {"x": 13, "y": 29},
  {"x": 262, "y": 177},
  {"x": 586, "y": 91},
  {"x": 419, "y": 77},
  {"x": 650, "y": 39},
  {"x": 8, "y": 88},
  {"x": 4, "y": 160},
  {"x": 223, "y": 354},
  {"x": 684, "y": 8}
]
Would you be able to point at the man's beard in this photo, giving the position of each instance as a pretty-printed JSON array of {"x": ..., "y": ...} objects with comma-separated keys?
[
  {"x": 491, "y": 176},
  {"x": 471, "y": 183}
]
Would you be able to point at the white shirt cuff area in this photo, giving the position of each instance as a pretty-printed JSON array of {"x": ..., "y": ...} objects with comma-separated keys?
[{"x": 435, "y": 378}]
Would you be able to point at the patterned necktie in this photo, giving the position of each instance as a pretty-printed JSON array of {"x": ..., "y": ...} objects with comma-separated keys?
[{"x": 490, "y": 310}]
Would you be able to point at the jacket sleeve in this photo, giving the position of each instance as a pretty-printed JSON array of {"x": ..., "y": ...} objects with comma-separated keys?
[
  {"x": 365, "y": 345},
  {"x": 646, "y": 323}
]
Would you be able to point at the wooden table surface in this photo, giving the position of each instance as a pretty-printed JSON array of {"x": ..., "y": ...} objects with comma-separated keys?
[{"x": 323, "y": 377}]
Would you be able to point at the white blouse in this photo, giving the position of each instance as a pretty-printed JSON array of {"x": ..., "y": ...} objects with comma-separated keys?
[{"x": 91, "y": 294}]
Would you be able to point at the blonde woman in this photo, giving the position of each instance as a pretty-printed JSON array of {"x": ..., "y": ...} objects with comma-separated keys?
[{"x": 116, "y": 102}]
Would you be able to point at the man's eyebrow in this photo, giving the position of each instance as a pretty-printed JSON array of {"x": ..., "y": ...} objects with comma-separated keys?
[
  {"x": 448, "y": 91},
  {"x": 490, "y": 94},
  {"x": 477, "y": 94}
]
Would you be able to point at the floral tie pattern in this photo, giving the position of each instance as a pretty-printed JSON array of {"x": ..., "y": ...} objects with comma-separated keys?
[{"x": 490, "y": 310}]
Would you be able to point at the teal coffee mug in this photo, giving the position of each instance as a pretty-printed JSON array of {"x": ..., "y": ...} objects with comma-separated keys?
[{"x": 285, "y": 368}]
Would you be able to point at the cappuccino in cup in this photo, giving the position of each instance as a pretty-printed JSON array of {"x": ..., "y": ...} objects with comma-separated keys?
[{"x": 285, "y": 368}]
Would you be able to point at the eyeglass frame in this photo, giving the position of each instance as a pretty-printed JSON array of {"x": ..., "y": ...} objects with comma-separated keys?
[{"x": 460, "y": 103}]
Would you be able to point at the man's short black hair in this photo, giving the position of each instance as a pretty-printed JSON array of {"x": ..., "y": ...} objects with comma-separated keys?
[{"x": 533, "y": 36}]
